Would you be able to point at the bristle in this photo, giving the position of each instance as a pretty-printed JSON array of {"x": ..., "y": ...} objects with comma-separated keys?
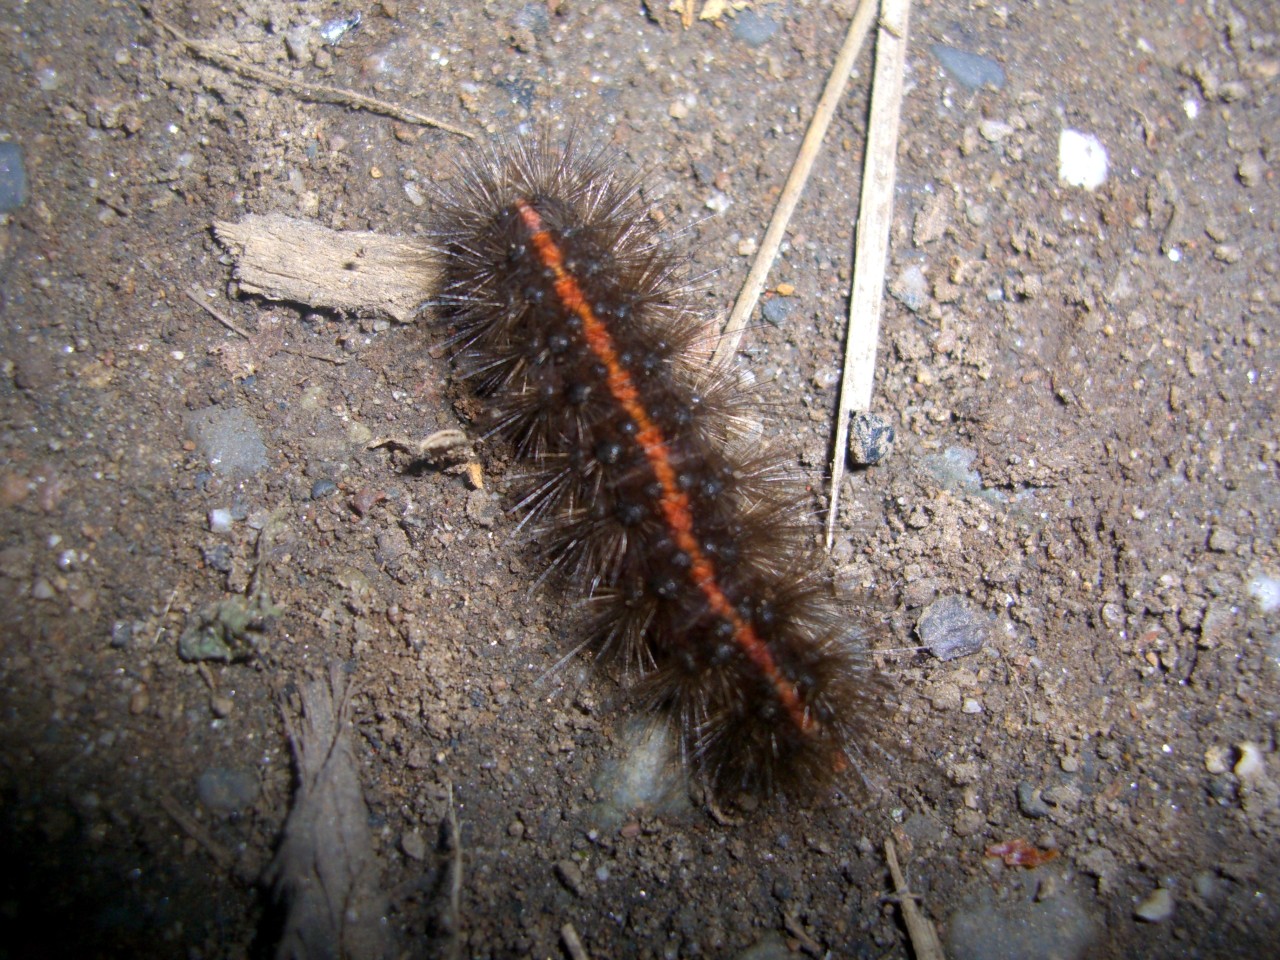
[{"x": 639, "y": 476}]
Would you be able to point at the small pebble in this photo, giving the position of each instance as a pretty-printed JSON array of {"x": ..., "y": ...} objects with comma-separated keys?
[
  {"x": 753, "y": 28},
  {"x": 42, "y": 589},
  {"x": 1251, "y": 766},
  {"x": 414, "y": 846},
  {"x": 121, "y": 635},
  {"x": 365, "y": 499},
  {"x": 969, "y": 69},
  {"x": 775, "y": 311},
  {"x": 334, "y": 30},
  {"x": 1157, "y": 908},
  {"x": 224, "y": 790},
  {"x": 993, "y": 131},
  {"x": 1082, "y": 160},
  {"x": 951, "y": 627},
  {"x": 13, "y": 177},
  {"x": 911, "y": 288},
  {"x": 218, "y": 557},
  {"x": 570, "y": 874},
  {"x": 1215, "y": 760},
  {"x": 1207, "y": 885},
  {"x": 871, "y": 439},
  {"x": 1223, "y": 540},
  {"x": 1251, "y": 170},
  {"x": 229, "y": 439},
  {"x": 1265, "y": 591},
  {"x": 14, "y": 488},
  {"x": 414, "y": 194},
  {"x": 1030, "y": 802},
  {"x": 139, "y": 702},
  {"x": 945, "y": 696},
  {"x": 322, "y": 488}
]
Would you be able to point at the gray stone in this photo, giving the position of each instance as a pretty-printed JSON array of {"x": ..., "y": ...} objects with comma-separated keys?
[
  {"x": 229, "y": 439},
  {"x": 952, "y": 627}
]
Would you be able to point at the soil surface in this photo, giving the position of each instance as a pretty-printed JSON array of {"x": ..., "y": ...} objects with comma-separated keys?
[{"x": 1083, "y": 384}]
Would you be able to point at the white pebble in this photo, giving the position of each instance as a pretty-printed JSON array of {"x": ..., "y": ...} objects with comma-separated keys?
[
  {"x": 717, "y": 202},
  {"x": 1156, "y": 908},
  {"x": 1082, "y": 160},
  {"x": 1265, "y": 591},
  {"x": 414, "y": 193},
  {"x": 220, "y": 520},
  {"x": 1251, "y": 766}
]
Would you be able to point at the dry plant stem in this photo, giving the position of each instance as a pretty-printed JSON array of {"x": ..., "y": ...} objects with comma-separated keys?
[
  {"x": 218, "y": 315},
  {"x": 455, "y": 879},
  {"x": 809, "y": 147},
  {"x": 318, "y": 92},
  {"x": 871, "y": 249},
  {"x": 924, "y": 939}
]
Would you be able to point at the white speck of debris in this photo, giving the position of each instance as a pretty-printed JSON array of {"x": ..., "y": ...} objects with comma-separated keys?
[
  {"x": 219, "y": 520},
  {"x": 1156, "y": 908},
  {"x": 1191, "y": 108},
  {"x": 1265, "y": 591},
  {"x": 717, "y": 202},
  {"x": 1082, "y": 160},
  {"x": 178, "y": 354},
  {"x": 1175, "y": 255}
]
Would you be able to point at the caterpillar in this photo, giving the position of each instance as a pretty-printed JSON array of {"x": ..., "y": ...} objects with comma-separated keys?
[{"x": 654, "y": 502}]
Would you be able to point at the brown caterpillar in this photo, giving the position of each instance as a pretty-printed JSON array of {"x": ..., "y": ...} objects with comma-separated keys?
[{"x": 688, "y": 542}]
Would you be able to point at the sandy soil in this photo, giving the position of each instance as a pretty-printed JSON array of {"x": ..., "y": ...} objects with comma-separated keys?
[{"x": 1083, "y": 384}]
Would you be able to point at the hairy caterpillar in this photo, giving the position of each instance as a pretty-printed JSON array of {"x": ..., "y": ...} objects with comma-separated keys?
[{"x": 685, "y": 539}]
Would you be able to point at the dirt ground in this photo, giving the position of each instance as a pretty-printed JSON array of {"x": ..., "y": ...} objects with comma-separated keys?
[{"x": 1083, "y": 384}]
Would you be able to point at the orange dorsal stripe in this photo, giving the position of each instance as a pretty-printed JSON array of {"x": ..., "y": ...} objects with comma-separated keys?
[{"x": 674, "y": 502}]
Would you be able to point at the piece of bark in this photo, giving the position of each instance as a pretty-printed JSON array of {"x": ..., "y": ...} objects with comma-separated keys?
[
  {"x": 359, "y": 272},
  {"x": 325, "y": 873}
]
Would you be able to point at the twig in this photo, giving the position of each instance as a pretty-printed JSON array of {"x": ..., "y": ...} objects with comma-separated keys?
[
  {"x": 455, "y": 880},
  {"x": 218, "y": 315},
  {"x": 164, "y": 615},
  {"x": 871, "y": 249},
  {"x": 221, "y": 856},
  {"x": 809, "y": 148},
  {"x": 294, "y": 351},
  {"x": 807, "y": 943},
  {"x": 924, "y": 939},
  {"x": 573, "y": 944},
  {"x": 318, "y": 92},
  {"x": 231, "y": 325}
]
